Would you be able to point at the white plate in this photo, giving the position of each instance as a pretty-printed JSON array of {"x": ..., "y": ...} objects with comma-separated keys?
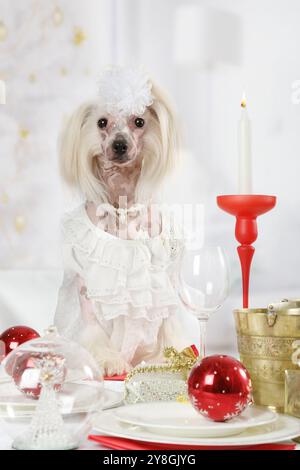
[
  {"x": 181, "y": 419},
  {"x": 285, "y": 428},
  {"x": 19, "y": 406}
]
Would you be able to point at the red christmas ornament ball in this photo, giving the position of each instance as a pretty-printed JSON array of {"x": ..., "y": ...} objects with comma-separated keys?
[
  {"x": 219, "y": 387},
  {"x": 16, "y": 335}
]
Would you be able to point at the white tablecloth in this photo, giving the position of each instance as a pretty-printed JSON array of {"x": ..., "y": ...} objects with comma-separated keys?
[{"x": 5, "y": 440}]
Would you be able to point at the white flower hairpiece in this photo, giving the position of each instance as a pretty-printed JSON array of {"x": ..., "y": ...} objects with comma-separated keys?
[{"x": 125, "y": 91}]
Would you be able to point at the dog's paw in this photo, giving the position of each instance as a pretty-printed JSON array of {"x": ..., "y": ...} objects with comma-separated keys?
[{"x": 115, "y": 365}]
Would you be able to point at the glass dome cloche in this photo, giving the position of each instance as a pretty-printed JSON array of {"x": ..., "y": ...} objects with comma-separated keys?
[{"x": 50, "y": 387}]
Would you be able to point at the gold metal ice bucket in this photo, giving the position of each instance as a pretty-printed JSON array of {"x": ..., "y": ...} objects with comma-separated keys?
[{"x": 265, "y": 338}]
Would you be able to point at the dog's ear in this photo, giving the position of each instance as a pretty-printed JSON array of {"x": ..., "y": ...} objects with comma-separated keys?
[
  {"x": 161, "y": 143},
  {"x": 168, "y": 127},
  {"x": 78, "y": 147},
  {"x": 70, "y": 144}
]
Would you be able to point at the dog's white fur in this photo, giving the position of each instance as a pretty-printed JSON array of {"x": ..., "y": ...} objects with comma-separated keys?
[{"x": 80, "y": 150}]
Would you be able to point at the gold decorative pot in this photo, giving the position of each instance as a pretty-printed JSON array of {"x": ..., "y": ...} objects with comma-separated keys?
[{"x": 265, "y": 338}]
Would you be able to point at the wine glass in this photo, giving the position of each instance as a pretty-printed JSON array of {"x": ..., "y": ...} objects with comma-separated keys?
[{"x": 204, "y": 285}]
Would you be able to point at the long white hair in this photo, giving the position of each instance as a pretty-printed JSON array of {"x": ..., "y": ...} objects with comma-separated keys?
[{"x": 80, "y": 146}]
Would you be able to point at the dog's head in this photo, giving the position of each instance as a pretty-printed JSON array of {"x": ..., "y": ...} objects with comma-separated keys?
[{"x": 94, "y": 137}]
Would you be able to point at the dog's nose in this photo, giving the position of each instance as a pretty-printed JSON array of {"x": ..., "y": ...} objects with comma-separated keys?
[{"x": 119, "y": 147}]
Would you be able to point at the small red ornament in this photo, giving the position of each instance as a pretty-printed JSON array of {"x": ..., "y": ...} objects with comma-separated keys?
[
  {"x": 219, "y": 387},
  {"x": 16, "y": 335}
]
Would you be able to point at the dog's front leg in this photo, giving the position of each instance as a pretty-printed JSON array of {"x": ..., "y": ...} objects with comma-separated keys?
[{"x": 95, "y": 340}]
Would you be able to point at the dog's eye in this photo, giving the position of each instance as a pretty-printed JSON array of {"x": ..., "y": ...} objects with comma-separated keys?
[
  {"x": 102, "y": 123},
  {"x": 139, "y": 122}
]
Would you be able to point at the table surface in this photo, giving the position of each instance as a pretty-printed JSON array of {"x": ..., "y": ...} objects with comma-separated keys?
[{"x": 5, "y": 440}]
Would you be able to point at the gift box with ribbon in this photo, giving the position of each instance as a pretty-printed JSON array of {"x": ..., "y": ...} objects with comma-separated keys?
[{"x": 161, "y": 382}]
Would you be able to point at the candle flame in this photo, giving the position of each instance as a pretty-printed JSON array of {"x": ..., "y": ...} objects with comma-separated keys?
[{"x": 243, "y": 102}]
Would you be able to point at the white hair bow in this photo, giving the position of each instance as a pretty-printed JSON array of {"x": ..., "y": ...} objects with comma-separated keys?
[{"x": 125, "y": 91}]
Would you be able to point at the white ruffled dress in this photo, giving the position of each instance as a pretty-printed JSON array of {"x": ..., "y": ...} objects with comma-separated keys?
[{"x": 126, "y": 287}]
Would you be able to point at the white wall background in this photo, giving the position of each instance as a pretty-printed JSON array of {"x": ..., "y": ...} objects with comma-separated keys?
[{"x": 51, "y": 65}]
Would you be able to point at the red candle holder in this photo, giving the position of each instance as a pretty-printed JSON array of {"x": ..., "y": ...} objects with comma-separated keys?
[{"x": 246, "y": 208}]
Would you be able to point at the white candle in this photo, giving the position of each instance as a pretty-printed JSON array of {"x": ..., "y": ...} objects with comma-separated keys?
[
  {"x": 244, "y": 140},
  {"x": 2, "y": 92}
]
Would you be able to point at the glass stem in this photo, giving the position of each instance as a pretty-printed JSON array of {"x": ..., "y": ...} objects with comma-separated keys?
[{"x": 202, "y": 326}]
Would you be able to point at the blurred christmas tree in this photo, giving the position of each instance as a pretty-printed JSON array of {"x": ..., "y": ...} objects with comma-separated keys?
[{"x": 51, "y": 53}]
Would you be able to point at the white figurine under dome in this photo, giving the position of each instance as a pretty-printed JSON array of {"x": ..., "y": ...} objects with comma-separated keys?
[
  {"x": 121, "y": 251},
  {"x": 50, "y": 380}
]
